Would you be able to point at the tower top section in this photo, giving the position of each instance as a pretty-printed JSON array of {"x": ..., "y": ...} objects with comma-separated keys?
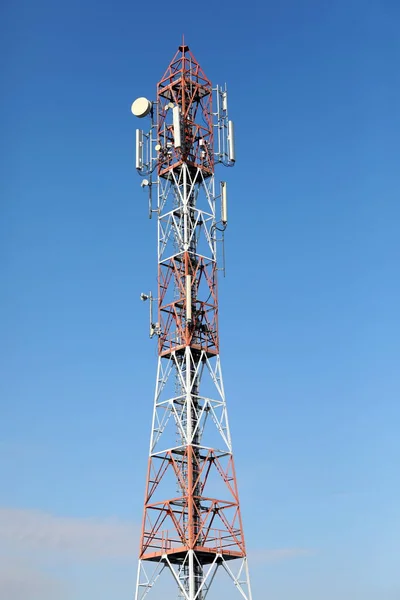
[
  {"x": 184, "y": 63},
  {"x": 184, "y": 116},
  {"x": 189, "y": 125}
]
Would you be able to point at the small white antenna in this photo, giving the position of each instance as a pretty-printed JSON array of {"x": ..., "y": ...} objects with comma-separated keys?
[
  {"x": 176, "y": 118},
  {"x": 154, "y": 327},
  {"x": 224, "y": 204},
  {"x": 188, "y": 298},
  {"x": 139, "y": 149},
  {"x": 225, "y": 100},
  {"x": 231, "y": 141}
]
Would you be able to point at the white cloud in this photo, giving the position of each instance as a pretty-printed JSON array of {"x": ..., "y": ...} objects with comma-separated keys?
[
  {"x": 24, "y": 530},
  {"x": 22, "y": 581}
]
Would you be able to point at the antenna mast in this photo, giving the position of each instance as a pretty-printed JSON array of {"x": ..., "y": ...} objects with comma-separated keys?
[{"x": 192, "y": 526}]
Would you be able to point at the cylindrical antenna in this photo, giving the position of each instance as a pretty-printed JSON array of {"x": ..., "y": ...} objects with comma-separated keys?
[
  {"x": 139, "y": 149},
  {"x": 188, "y": 298},
  {"x": 231, "y": 141},
  {"x": 224, "y": 204},
  {"x": 176, "y": 119}
]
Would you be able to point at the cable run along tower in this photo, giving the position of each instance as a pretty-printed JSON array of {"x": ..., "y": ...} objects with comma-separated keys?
[{"x": 192, "y": 527}]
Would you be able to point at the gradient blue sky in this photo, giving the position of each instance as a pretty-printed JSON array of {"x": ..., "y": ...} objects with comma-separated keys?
[{"x": 309, "y": 309}]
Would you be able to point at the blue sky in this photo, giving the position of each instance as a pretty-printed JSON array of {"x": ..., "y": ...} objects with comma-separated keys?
[{"x": 309, "y": 309}]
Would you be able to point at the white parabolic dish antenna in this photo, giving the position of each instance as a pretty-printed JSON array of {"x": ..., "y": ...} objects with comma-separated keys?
[{"x": 141, "y": 107}]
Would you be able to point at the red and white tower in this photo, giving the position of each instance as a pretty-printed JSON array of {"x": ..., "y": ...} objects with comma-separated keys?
[{"x": 192, "y": 526}]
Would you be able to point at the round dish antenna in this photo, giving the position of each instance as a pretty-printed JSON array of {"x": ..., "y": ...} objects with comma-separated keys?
[{"x": 141, "y": 107}]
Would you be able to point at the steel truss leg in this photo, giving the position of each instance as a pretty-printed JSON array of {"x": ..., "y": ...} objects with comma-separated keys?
[{"x": 145, "y": 582}]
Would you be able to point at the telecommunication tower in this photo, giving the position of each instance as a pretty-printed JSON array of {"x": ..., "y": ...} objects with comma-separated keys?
[{"x": 192, "y": 526}]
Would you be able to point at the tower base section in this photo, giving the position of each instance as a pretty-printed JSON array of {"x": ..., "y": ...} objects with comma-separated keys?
[{"x": 151, "y": 574}]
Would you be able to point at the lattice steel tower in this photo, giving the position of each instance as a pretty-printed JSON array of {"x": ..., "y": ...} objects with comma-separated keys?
[{"x": 192, "y": 525}]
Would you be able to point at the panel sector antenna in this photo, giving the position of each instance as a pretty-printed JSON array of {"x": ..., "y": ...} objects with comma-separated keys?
[{"x": 192, "y": 529}]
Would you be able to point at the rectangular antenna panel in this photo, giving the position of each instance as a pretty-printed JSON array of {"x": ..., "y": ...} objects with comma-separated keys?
[
  {"x": 224, "y": 205},
  {"x": 188, "y": 297},
  {"x": 225, "y": 101},
  {"x": 139, "y": 149},
  {"x": 176, "y": 118},
  {"x": 231, "y": 142}
]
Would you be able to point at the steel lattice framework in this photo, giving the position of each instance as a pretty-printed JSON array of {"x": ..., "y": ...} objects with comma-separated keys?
[{"x": 192, "y": 523}]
